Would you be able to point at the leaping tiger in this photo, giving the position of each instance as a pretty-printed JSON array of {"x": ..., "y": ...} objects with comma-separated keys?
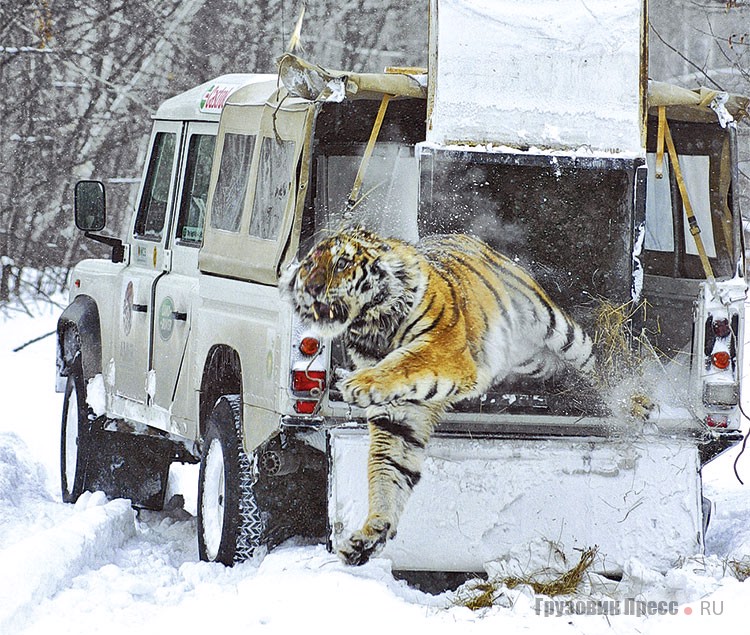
[{"x": 427, "y": 325}]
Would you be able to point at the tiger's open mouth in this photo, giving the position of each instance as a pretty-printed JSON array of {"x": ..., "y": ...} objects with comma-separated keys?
[
  {"x": 324, "y": 312},
  {"x": 321, "y": 309}
]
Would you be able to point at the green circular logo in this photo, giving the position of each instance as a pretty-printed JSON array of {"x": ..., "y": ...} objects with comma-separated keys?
[{"x": 166, "y": 319}]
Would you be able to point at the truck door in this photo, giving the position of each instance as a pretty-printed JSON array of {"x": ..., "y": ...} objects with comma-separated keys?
[
  {"x": 176, "y": 292},
  {"x": 134, "y": 308}
]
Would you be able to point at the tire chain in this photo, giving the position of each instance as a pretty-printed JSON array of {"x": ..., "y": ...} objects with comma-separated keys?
[{"x": 252, "y": 527}]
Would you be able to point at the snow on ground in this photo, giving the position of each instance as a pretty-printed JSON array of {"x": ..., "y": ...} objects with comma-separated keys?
[{"x": 97, "y": 566}]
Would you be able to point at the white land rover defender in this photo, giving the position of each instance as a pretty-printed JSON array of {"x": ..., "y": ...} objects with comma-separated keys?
[{"x": 199, "y": 359}]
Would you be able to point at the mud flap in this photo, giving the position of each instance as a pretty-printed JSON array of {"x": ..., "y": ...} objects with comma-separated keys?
[{"x": 130, "y": 466}]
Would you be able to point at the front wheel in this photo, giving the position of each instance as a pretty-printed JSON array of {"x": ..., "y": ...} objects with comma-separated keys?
[
  {"x": 120, "y": 464},
  {"x": 231, "y": 525},
  {"x": 76, "y": 436}
]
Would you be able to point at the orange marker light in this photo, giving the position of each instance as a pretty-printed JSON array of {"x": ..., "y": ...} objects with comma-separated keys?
[
  {"x": 309, "y": 346},
  {"x": 721, "y": 360}
]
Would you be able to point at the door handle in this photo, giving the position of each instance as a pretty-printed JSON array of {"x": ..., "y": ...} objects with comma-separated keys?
[
  {"x": 140, "y": 308},
  {"x": 179, "y": 315}
]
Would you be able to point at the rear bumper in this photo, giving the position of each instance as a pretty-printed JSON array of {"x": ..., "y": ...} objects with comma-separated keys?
[{"x": 489, "y": 498}]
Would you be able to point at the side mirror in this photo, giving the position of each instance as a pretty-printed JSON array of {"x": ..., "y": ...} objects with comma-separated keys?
[
  {"x": 91, "y": 215},
  {"x": 90, "y": 206}
]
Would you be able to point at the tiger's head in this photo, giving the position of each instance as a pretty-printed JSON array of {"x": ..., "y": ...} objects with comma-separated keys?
[{"x": 343, "y": 278}]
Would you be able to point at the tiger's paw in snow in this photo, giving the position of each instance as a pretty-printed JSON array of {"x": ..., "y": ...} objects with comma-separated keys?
[{"x": 365, "y": 543}]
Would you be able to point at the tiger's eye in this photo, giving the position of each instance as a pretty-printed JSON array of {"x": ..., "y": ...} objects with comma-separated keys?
[{"x": 343, "y": 263}]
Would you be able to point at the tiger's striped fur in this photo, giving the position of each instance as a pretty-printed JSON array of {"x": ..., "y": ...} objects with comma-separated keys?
[{"x": 426, "y": 325}]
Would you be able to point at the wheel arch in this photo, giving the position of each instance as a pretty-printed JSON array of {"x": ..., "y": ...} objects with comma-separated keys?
[
  {"x": 79, "y": 330},
  {"x": 222, "y": 375}
]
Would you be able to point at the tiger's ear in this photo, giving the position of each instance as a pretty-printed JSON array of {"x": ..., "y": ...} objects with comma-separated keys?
[{"x": 288, "y": 277}]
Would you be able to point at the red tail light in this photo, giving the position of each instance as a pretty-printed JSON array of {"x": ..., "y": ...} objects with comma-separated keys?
[
  {"x": 309, "y": 381},
  {"x": 716, "y": 421},
  {"x": 305, "y": 407},
  {"x": 721, "y": 328}
]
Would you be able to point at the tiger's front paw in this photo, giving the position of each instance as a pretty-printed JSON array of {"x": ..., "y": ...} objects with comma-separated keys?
[
  {"x": 363, "y": 388},
  {"x": 365, "y": 543}
]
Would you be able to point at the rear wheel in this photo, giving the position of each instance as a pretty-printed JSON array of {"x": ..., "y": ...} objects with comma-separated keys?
[{"x": 231, "y": 524}]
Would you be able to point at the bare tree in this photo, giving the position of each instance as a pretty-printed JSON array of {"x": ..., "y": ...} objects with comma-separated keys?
[
  {"x": 83, "y": 77},
  {"x": 705, "y": 43}
]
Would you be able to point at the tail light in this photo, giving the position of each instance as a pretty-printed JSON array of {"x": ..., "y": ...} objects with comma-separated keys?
[
  {"x": 720, "y": 381},
  {"x": 721, "y": 327},
  {"x": 721, "y": 394},
  {"x": 309, "y": 346},
  {"x": 310, "y": 384},
  {"x": 716, "y": 421},
  {"x": 309, "y": 381},
  {"x": 305, "y": 406},
  {"x": 720, "y": 344},
  {"x": 721, "y": 360}
]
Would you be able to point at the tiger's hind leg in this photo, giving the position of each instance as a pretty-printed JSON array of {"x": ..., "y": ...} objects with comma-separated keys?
[{"x": 398, "y": 437}]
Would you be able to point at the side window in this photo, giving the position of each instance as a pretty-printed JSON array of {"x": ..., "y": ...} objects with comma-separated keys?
[
  {"x": 661, "y": 210},
  {"x": 231, "y": 185},
  {"x": 195, "y": 189},
  {"x": 149, "y": 223},
  {"x": 275, "y": 172}
]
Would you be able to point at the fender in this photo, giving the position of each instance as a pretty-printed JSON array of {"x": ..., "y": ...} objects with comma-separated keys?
[
  {"x": 222, "y": 375},
  {"x": 79, "y": 330}
]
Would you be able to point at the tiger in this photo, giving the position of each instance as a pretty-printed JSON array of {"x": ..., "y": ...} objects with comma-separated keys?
[{"x": 426, "y": 324}]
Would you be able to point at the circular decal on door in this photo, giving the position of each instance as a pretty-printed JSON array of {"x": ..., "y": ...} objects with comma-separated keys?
[{"x": 166, "y": 319}]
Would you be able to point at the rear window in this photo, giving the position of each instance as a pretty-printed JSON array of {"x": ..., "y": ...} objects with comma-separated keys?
[
  {"x": 567, "y": 221},
  {"x": 670, "y": 249},
  {"x": 387, "y": 201},
  {"x": 275, "y": 176}
]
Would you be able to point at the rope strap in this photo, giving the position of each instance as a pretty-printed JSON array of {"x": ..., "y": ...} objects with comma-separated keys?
[
  {"x": 660, "y": 143},
  {"x": 692, "y": 221},
  {"x": 368, "y": 152}
]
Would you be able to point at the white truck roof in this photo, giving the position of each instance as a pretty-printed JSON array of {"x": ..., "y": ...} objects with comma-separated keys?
[{"x": 205, "y": 102}]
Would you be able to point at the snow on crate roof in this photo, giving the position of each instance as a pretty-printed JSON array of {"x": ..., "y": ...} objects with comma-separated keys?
[{"x": 205, "y": 102}]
